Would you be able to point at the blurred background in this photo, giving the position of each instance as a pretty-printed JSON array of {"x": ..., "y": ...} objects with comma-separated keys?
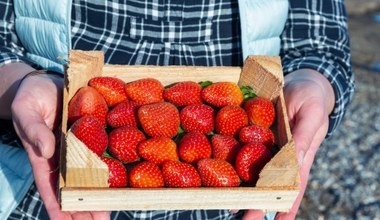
[{"x": 345, "y": 178}]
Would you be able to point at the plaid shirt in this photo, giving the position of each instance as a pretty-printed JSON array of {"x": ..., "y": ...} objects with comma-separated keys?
[{"x": 207, "y": 34}]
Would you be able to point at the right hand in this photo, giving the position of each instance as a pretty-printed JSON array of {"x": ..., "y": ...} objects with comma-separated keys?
[{"x": 36, "y": 111}]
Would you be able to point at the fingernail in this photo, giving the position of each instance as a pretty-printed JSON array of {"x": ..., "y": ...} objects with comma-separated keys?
[
  {"x": 301, "y": 155},
  {"x": 233, "y": 211},
  {"x": 41, "y": 147}
]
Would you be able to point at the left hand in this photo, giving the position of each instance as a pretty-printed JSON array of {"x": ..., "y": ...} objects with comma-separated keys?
[{"x": 310, "y": 99}]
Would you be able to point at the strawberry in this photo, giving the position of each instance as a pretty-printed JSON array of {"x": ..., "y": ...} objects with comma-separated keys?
[
  {"x": 250, "y": 161},
  {"x": 217, "y": 173},
  {"x": 260, "y": 111},
  {"x": 87, "y": 102},
  {"x": 220, "y": 94},
  {"x": 255, "y": 133},
  {"x": 197, "y": 117},
  {"x": 159, "y": 119},
  {"x": 123, "y": 143},
  {"x": 117, "y": 172},
  {"x": 146, "y": 175},
  {"x": 180, "y": 174},
  {"x": 145, "y": 91},
  {"x": 230, "y": 119},
  {"x": 88, "y": 130},
  {"x": 225, "y": 147},
  {"x": 183, "y": 93},
  {"x": 194, "y": 146},
  {"x": 123, "y": 114},
  {"x": 111, "y": 88},
  {"x": 158, "y": 149}
]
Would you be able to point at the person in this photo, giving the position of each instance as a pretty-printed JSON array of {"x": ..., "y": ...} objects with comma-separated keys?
[{"x": 310, "y": 36}]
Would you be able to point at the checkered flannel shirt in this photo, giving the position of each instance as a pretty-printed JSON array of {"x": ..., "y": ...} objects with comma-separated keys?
[
  {"x": 147, "y": 32},
  {"x": 206, "y": 33}
]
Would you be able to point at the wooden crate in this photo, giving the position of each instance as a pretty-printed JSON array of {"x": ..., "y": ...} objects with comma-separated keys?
[{"x": 83, "y": 176}]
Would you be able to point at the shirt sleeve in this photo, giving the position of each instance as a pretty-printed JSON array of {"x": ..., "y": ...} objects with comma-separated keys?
[
  {"x": 316, "y": 37},
  {"x": 11, "y": 50}
]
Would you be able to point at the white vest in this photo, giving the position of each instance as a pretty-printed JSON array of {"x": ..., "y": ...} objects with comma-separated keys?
[{"x": 43, "y": 27}]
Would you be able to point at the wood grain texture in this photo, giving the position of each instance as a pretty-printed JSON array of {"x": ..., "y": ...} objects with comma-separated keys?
[{"x": 276, "y": 189}]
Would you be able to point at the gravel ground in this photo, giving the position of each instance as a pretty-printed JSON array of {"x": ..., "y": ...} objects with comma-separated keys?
[{"x": 344, "y": 181}]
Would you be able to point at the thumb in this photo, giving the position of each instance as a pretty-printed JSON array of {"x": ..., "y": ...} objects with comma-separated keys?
[{"x": 33, "y": 130}]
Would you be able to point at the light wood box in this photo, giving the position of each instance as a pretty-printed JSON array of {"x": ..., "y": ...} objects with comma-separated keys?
[{"x": 83, "y": 177}]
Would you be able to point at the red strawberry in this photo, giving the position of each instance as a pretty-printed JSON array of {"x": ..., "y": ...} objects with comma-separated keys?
[
  {"x": 159, "y": 119},
  {"x": 88, "y": 130},
  {"x": 230, "y": 119},
  {"x": 217, "y": 173},
  {"x": 225, "y": 147},
  {"x": 158, "y": 149},
  {"x": 260, "y": 111},
  {"x": 123, "y": 143},
  {"x": 255, "y": 133},
  {"x": 179, "y": 174},
  {"x": 183, "y": 93},
  {"x": 146, "y": 175},
  {"x": 197, "y": 117},
  {"x": 250, "y": 161},
  {"x": 145, "y": 91},
  {"x": 123, "y": 114},
  {"x": 87, "y": 102},
  {"x": 220, "y": 94},
  {"x": 117, "y": 172},
  {"x": 111, "y": 88},
  {"x": 194, "y": 146}
]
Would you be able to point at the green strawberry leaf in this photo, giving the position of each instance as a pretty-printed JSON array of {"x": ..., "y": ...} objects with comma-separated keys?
[
  {"x": 247, "y": 92},
  {"x": 205, "y": 84}
]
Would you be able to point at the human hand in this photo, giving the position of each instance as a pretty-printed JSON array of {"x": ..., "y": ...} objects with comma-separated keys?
[
  {"x": 310, "y": 99},
  {"x": 35, "y": 113}
]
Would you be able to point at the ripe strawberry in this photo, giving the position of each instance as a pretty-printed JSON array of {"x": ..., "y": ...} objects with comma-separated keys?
[
  {"x": 117, "y": 172},
  {"x": 197, "y": 117},
  {"x": 250, "y": 161},
  {"x": 159, "y": 119},
  {"x": 194, "y": 146},
  {"x": 218, "y": 173},
  {"x": 87, "y": 102},
  {"x": 230, "y": 119},
  {"x": 111, "y": 88},
  {"x": 88, "y": 130},
  {"x": 146, "y": 175},
  {"x": 158, "y": 149},
  {"x": 179, "y": 174},
  {"x": 145, "y": 91},
  {"x": 220, "y": 94},
  {"x": 225, "y": 147},
  {"x": 260, "y": 111},
  {"x": 123, "y": 114},
  {"x": 123, "y": 143},
  {"x": 183, "y": 93},
  {"x": 255, "y": 133}
]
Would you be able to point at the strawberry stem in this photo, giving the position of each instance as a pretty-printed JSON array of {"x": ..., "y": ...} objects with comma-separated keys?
[
  {"x": 247, "y": 92},
  {"x": 205, "y": 84}
]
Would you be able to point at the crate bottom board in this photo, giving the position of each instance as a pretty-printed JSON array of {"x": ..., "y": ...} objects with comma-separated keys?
[{"x": 108, "y": 199}]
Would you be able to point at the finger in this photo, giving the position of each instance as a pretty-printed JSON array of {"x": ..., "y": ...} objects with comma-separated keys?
[
  {"x": 33, "y": 130},
  {"x": 101, "y": 215},
  {"x": 304, "y": 172},
  {"x": 253, "y": 215},
  {"x": 305, "y": 128}
]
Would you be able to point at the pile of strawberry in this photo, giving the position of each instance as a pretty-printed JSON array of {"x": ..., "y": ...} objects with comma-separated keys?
[{"x": 187, "y": 134}]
